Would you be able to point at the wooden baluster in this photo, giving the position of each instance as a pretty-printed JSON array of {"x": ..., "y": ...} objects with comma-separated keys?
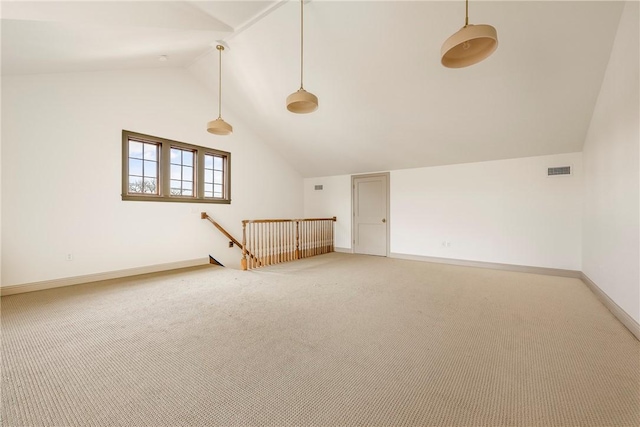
[
  {"x": 297, "y": 239},
  {"x": 303, "y": 239},
  {"x": 280, "y": 250},
  {"x": 327, "y": 225},
  {"x": 253, "y": 245},
  {"x": 243, "y": 263},
  {"x": 256, "y": 244},
  {"x": 308, "y": 240},
  {"x": 268, "y": 227},
  {"x": 324, "y": 237},
  {"x": 333, "y": 225},
  {"x": 261, "y": 238},
  {"x": 249, "y": 252}
]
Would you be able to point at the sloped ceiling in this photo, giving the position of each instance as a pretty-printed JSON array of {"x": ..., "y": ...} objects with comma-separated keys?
[{"x": 385, "y": 101}]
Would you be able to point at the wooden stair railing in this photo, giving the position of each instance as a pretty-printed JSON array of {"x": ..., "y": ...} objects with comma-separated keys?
[
  {"x": 273, "y": 241},
  {"x": 235, "y": 241}
]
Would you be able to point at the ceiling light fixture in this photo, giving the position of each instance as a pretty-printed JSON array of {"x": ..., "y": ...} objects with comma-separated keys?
[
  {"x": 219, "y": 126},
  {"x": 302, "y": 102},
  {"x": 470, "y": 45}
]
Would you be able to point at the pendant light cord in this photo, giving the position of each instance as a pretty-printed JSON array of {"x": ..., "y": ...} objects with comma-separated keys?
[
  {"x": 219, "y": 82},
  {"x": 466, "y": 16},
  {"x": 301, "y": 44}
]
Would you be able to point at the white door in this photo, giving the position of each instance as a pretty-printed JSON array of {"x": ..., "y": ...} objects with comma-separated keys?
[{"x": 370, "y": 220}]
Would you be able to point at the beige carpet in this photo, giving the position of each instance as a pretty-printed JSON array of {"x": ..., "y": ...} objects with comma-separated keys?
[{"x": 332, "y": 340}]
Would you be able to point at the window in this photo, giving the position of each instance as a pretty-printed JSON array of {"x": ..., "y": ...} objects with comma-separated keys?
[
  {"x": 182, "y": 175},
  {"x": 160, "y": 170}
]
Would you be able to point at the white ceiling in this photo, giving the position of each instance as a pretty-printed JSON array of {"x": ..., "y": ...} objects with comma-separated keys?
[{"x": 385, "y": 101}]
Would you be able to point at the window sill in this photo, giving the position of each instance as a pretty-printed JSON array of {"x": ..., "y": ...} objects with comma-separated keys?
[{"x": 132, "y": 198}]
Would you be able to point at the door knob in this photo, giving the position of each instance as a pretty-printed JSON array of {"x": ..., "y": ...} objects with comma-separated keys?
[{"x": 384, "y": 220}]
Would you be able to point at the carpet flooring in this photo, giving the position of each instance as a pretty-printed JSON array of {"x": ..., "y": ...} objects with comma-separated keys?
[{"x": 334, "y": 340}]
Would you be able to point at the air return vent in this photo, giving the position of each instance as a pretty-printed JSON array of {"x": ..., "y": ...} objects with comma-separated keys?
[
  {"x": 318, "y": 187},
  {"x": 561, "y": 170}
]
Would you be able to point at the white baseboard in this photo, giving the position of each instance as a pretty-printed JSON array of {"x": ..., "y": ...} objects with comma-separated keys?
[
  {"x": 76, "y": 280},
  {"x": 615, "y": 309},
  {"x": 342, "y": 250},
  {"x": 494, "y": 266}
]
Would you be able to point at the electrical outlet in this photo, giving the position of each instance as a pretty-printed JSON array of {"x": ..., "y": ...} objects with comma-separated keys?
[{"x": 69, "y": 257}]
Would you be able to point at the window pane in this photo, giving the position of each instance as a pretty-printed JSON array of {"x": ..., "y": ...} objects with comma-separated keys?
[
  {"x": 187, "y": 185},
  {"x": 217, "y": 177},
  {"x": 175, "y": 156},
  {"x": 208, "y": 175},
  {"x": 150, "y": 169},
  {"x": 175, "y": 185},
  {"x": 150, "y": 152},
  {"x": 187, "y": 193},
  {"x": 187, "y": 158},
  {"x": 187, "y": 173},
  {"x": 217, "y": 190},
  {"x": 208, "y": 188},
  {"x": 175, "y": 172},
  {"x": 149, "y": 185},
  {"x": 135, "y": 149},
  {"x": 135, "y": 184},
  {"x": 217, "y": 163},
  {"x": 135, "y": 167},
  {"x": 208, "y": 194},
  {"x": 208, "y": 161}
]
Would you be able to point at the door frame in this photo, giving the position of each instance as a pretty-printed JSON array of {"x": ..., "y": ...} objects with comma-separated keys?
[{"x": 353, "y": 212}]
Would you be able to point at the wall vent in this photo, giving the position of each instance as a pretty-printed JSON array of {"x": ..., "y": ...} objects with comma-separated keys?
[
  {"x": 561, "y": 170},
  {"x": 318, "y": 187}
]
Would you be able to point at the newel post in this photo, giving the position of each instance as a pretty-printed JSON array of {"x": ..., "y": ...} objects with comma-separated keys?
[{"x": 243, "y": 263}]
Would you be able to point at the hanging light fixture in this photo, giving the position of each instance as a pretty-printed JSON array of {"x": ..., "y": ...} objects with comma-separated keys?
[
  {"x": 219, "y": 126},
  {"x": 470, "y": 45},
  {"x": 302, "y": 102}
]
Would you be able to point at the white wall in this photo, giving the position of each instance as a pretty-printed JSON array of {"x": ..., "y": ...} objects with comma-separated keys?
[
  {"x": 333, "y": 200},
  {"x": 61, "y": 175},
  {"x": 611, "y": 237},
  {"x": 505, "y": 211}
]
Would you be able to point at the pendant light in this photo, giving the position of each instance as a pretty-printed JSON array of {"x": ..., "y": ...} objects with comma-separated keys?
[
  {"x": 470, "y": 45},
  {"x": 302, "y": 102},
  {"x": 219, "y": 126}
]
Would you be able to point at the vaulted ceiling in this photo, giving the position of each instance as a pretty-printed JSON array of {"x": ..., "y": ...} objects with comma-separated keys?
[{"x": 385, "y": 101}]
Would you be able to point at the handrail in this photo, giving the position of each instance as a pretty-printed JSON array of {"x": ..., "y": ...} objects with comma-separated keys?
[
  {"x": 204, "y": 215},
  {"x": 247, "y": 221}
]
